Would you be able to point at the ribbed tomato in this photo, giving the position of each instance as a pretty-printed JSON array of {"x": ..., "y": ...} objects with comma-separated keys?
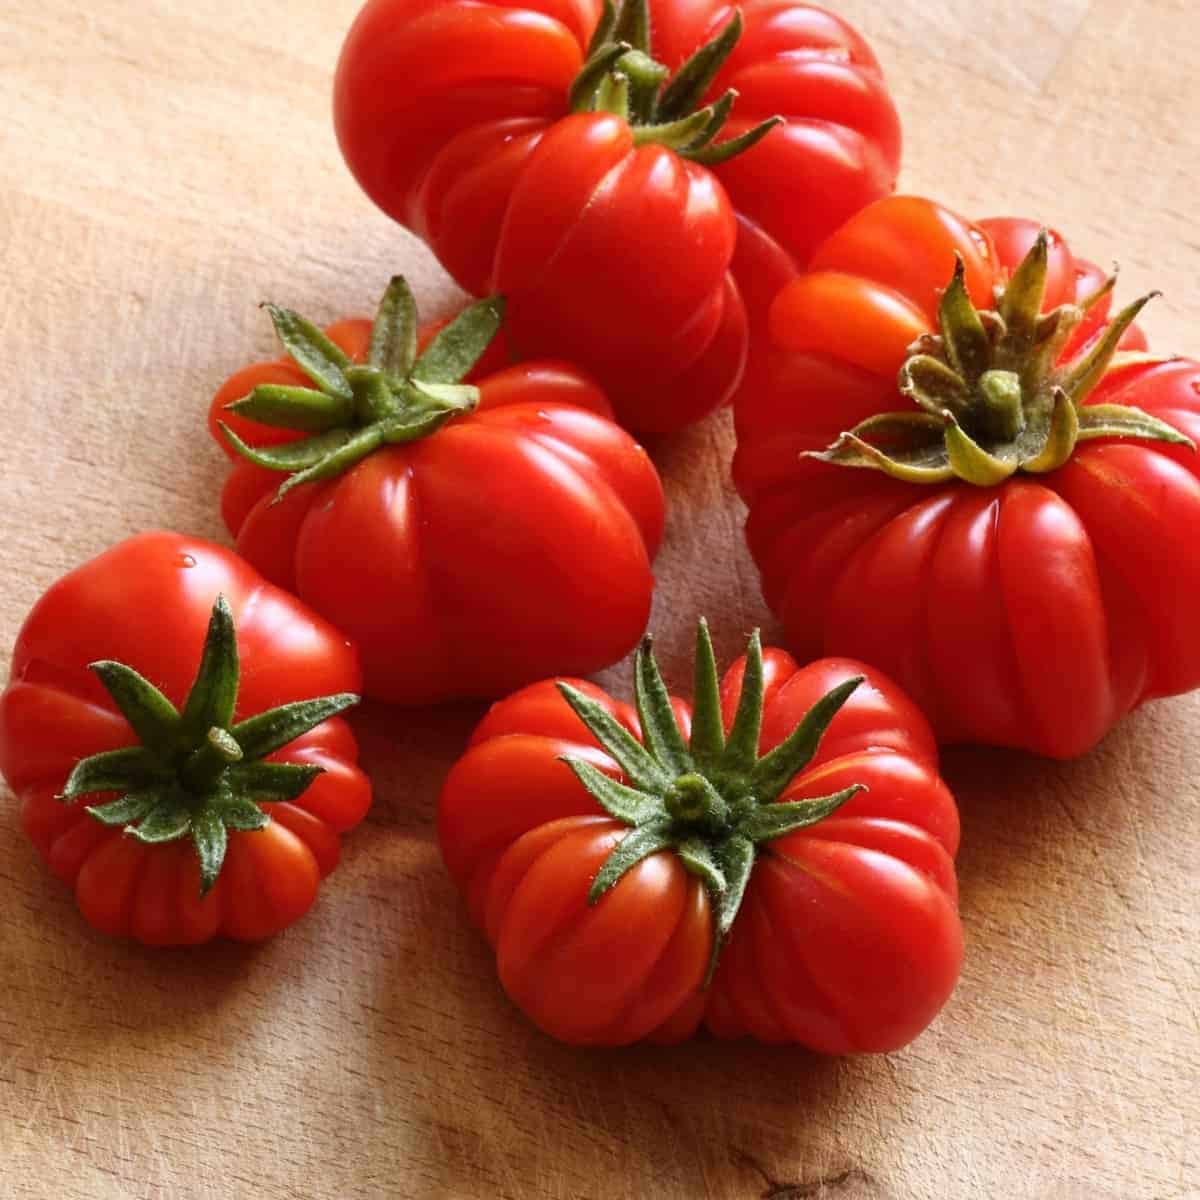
[
  {"x": 470, "y": 536},
  {"x": 971, "y": 485},
  {"x": 234, "y": 822},
  {"x": 793, "y": 834},
  {"x": 542, "y": 153}
]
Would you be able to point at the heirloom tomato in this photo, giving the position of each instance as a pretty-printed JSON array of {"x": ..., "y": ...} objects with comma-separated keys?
[
  {"x": 594, "y": 168},
  {"x": 469, "y": 537},
  {"x": 196, "y": 705},
  {"x": 777, "y": 863},
  {"x": 960, "y": 468}
]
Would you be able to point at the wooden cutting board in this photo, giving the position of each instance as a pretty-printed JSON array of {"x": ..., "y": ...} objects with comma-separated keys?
[{"x": 164, "y": 168}]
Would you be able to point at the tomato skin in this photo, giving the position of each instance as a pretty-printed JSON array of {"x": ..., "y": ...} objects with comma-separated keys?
[
  {"x": 523, "y": 840},
  {"x": 1029, "y": 614},
  {"x": 618, "y": 258},
  {"x": 146, "y": 603},
  {"x": 527, "y": 527}
]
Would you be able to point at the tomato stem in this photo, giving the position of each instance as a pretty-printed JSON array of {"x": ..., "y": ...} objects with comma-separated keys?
[
  {"x": 195, "y": 773},
  {"x": 711, "y": 800},
  {"x": 621, "y": 77},
  {"x": 994, "y": 397}
]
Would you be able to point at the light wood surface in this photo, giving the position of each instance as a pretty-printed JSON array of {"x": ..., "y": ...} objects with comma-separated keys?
[{"x": 165, "y": 166}]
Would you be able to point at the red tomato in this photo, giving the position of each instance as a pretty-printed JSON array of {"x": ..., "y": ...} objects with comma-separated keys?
[
  {"x": 1033, "y": 611},
  {"x": 146, "y": 603},
  {"x": 847, "y": 938},
  {"x": 514, "y": 541},
  {"x": 610, "y": 233}
]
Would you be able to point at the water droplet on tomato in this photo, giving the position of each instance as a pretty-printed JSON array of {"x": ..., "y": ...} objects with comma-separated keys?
[
  {"x": 186, "y": 560},
  {"x": 982, "y": 244}
]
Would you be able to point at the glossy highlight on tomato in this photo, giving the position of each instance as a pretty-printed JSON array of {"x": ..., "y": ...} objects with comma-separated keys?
[
  {"x": 1033, "y": 612},
  {"x": 144, "y": 606},
  {"x": 617, "y": 244},
  {"x": 825, "y": 895}
]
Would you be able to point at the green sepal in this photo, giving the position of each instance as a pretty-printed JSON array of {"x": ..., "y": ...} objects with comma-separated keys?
[
  {"x": 775, "y": 770},
  {"x": 242, "y": 814},
  {"x": 305, "y": 410},
  {"x": 602, "y": 34},
  {"x": 716, "y": 153},
  {"x": 968, "y": 460},
  {"x": 169, "y": 819},
  {"x": 718, "y": 114},
  {"x": 684, "y": 132},
  {"x": 394, "y": 333},
  {"x": 211, "y": 840},
  {"x": 963, "y": 334},
  {"x": 213, "y": 695},
  {"x": 271, "y": 781},
  {"x": 612, "y": 95},
  {"x": 933, "y": 385},
  {"x": 617, "y": 742},
  {"x": 694, "y": 78},
  {"x": 448, "y": 397},
  {"x": 700, "y": 861},
  {"x": 1021, "y": 302},
  {"x": 660, "y": 729},
  {"x": 452, "y": 354},
  {"x": 620, "y": 802},
  {"x": 267, "y": 732},
  {"x": 150, "y": 714},
  {"x": 1125, "y": 421},
  {"x": 741, "y": 744},
  {"x": 415, "y": 424},
  {"x": 353, "y": 450},
  {"x": 708, "y": 730},
  {"x": 639, "y": 843},
  {"x": 632, "y": 25},
  {"x": 133, "y": 806},
  {"x": 737, "y": 865},
  {"x": 1088, "y": 371},
  {"x": 321, "y": 359},
  {"x": 773, "y": 821},
  {"x": 582, "y": 96},
  {"x": 121, "y": 770},
  {"x": 290, "y": 456},
  {"x": 928, "y": 464},
  {"x": 1061, "y": 438}
]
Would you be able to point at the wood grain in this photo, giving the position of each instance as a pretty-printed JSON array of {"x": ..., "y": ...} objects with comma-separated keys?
[{"x": 166, "y": 165}]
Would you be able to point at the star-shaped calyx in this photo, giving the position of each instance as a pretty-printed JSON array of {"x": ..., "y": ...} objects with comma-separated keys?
[
  {"x": 619, "y": 76},
  {"x": 196, "y": 773},
  {"x": 712, "y": 800},
  {"x": 355, "y": 408},
  {"x": 993, "y": 397}
]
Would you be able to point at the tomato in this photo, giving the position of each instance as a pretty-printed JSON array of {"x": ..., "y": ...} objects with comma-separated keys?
[
  {"x": 233, "y": 824},
  {"x": 543, "y": 154},
  {"x": 468, "y": 537},
  {"x": 777, "y": 864},
  {"x": 1004, "y": 563}
]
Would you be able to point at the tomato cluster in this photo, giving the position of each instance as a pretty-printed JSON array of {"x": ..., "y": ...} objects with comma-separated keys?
[{"x": 965, "y": 476}]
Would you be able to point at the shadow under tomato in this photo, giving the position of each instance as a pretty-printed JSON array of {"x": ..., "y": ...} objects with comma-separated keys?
[{"x": 407, "y": 752}]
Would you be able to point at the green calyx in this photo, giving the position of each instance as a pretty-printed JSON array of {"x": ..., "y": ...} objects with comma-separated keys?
[
  {"x": 620, "y": 77},
  {"x": 195, "y": 773},
  {"x": 355, "y": 408},
  {"x": 712, "y": 800},
  {"x": 992, "y": 396}
]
